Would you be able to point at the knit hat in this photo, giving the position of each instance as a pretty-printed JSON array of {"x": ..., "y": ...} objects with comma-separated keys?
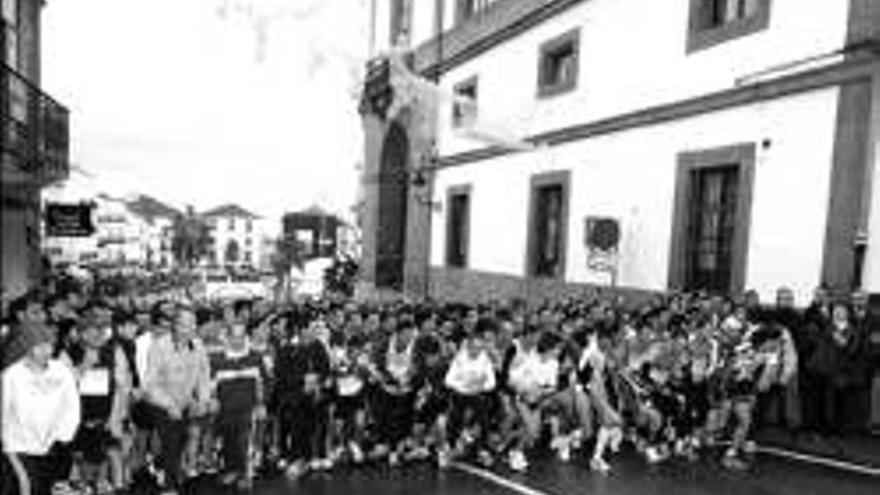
[{"x": 25, "y": 337}]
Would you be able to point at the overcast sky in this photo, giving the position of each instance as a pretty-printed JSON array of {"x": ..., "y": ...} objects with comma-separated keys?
[{"x": 168, "y": 98}]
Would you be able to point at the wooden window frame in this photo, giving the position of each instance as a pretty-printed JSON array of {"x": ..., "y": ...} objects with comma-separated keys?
[
  {"x": 571, "y": 37},
  {"x": 463, "y": 120},
  {"x": 741, "y": 155},
  {"x": 561, "y": 178},
  {"x": 451, "y": 192},
  {"x": 700, "y": 38}
]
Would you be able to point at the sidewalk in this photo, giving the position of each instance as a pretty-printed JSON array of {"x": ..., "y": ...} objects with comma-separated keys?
[{"x": 861, "y": 449}]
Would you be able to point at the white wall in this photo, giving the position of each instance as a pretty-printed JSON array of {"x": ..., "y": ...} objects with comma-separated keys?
[
  {"x": 871, "y": 279},
  {"x": 631, "y": 175},
  {"x": 633, "y": 56}
]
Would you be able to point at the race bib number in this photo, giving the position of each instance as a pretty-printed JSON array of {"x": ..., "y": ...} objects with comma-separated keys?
[
  {"x": 95, "y": 382},
  {"x": 349, "y": 385}
]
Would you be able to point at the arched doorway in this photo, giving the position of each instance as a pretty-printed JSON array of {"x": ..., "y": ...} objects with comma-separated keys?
[{"x": 393, "y": 183}]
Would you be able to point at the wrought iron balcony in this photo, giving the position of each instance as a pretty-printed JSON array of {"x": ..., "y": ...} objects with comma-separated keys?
[{"x": 34, "y": 132}]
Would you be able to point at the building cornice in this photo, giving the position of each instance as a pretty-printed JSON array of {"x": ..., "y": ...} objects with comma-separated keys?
[
  {"x": 501, "y": 21},
  {"x": 850, "y": 70}
]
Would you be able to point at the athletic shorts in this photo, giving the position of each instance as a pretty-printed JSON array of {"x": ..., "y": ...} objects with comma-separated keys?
[
  {"x": 93, "y": 442},
  {"x": 348, "y": 405}
]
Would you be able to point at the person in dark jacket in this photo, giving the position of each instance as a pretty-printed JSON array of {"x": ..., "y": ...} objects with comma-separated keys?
[
  {"x": 867, "y": 330},
  {"x": 829, "y": 371},
  {"x": 849, "y": 379},
  {"x": 816, "y": 363},
  {"x": 304, "y": 377}
]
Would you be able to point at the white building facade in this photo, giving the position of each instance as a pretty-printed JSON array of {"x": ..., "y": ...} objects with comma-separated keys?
[
  {"x": 238, "y": 237},
  {"x": 124, "y": 236},
  {"x": 734, "y": 142}
]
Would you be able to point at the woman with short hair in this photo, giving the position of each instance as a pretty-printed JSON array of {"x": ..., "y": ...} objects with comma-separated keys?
[{"x": 40, "y": 409}]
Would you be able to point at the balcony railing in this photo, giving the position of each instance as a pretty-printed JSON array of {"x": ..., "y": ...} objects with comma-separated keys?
[{"x": 34, "y": 130}]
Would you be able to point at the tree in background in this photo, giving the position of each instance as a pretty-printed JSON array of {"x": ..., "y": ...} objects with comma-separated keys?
[
  {"x": 190, "y": 239},
  {"x": 340, "y": 277},
  {"x": 288, "y": 254}
]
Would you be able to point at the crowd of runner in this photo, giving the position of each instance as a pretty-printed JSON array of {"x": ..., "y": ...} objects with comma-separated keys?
[{"x": 106, "y": 393}]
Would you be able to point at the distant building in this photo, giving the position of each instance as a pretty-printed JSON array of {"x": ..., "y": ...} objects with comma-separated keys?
[
  {"x": 34, "y": 143},
  {"x": 159, "y": 219},
  {"x": 134, "y": 231},
  {"x": 736, "y": 143},
  {"x": 237, "y": 237},
  {"x": 316, "y": 230}
]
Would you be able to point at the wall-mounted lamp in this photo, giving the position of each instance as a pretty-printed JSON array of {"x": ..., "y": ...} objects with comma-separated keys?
[{"x": 419, "y": 179}]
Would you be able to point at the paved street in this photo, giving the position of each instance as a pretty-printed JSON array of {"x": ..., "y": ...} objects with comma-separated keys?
[{"x": 770, "y": 475}]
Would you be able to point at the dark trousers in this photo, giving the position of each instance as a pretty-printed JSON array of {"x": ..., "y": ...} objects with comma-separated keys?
[
  {"x": 817, "y": 400},
  {"x": 349, "y": 418},
  {"x": 235, "y": 432},
  {"x": 468, "y": 411},
  {"x": 304, "y": 428},
  {"x": 37, "y": 472},
  {"x": 393, "y": 415},
  {"x": 172, "y": 440},
  {"x": 771, "y": 407},
  {"x": 847, "y": 414},
  {"x": 695, "y": 409}
]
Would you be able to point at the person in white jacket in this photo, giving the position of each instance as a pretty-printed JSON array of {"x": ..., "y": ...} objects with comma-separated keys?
[
  {"x": 40, "y": 409},
  {"x": 471, "y": 381},
  {"x": 534, "y": 379}
]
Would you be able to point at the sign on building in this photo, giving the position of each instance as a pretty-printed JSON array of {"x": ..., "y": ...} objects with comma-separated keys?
[
  {"x": 601, "y": 237},
  {"x": 69, "y": 220}
]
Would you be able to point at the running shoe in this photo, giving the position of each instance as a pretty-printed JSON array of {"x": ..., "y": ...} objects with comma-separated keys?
[
  {"x": 599, "y": 465},
  {"x": 296, "y": 470},
  {"x": 244, "y": 485},
  {"x": 484, "y": 458},
  {"x": 443, "y": 457},
  {"x": 517, "y": 461},
  {"x": 357, "y": 454},
  {"x": 63, "y": 488},
  {"x": 734, "y": 463},
  {"x": 564, "y": 452},
  {"x": 228, "y": 479}
]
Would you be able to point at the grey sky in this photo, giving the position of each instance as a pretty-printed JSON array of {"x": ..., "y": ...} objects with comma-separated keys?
[{"x": 168, "y": 98}]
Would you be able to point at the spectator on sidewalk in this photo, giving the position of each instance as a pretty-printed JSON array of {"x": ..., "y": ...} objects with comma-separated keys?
[
  {"x": 818, "y": 365},
  {"x": 780, "y": 405}
]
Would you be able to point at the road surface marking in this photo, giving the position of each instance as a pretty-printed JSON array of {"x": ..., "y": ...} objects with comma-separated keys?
[
  {"x": 824, "y": 461},
  {"x": 498, "y": 480}
]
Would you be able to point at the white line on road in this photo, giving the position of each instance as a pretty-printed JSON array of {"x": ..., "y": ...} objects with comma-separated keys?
[
  {"x": 498, "y": 480},
  {"x": 824, "y": 461}
]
